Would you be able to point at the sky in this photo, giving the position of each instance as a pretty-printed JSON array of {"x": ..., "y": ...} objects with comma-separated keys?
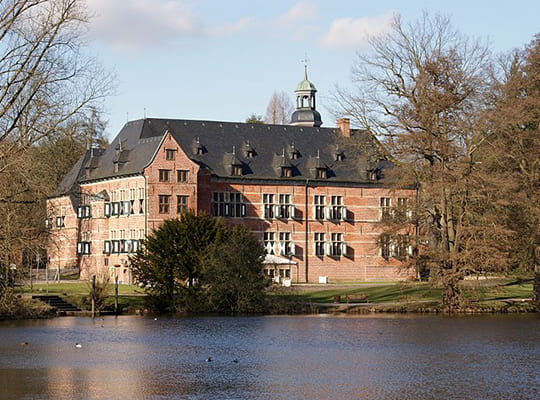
[{"x": 222, "y": 59}]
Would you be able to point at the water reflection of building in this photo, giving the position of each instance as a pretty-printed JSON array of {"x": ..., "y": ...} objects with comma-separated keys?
[{"x": 312, "y": 195}]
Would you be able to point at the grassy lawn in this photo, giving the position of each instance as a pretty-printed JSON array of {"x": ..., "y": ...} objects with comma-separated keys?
[
  {"x": 75, "y": 292},
  {"x": 375, "y": 294},
  {"x": 481, "y": 294},
  {"x": 78, "y": 288},
  {"x": 510, "y": 289},
  {"x": 411, "y": 292}
]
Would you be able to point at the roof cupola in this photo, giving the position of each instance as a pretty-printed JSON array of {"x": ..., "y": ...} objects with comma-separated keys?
[{"x": 305, "y": 113}]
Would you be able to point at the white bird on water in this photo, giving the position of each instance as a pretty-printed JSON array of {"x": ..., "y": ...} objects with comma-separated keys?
[{"x": 78, "y": 345}]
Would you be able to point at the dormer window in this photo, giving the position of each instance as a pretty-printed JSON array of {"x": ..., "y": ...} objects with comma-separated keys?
[
  {"x": 295, "y": 154},
  {"x": 199, "y": 149},
  {"x": 250, "y": 151},
  {"x": 374, "y": 174},
  {"x": 236, "y": 170},
  {"x": 340, "y": 156},
  {"x": 321, "y": 173},
  {"x": 286, "y": 172}
]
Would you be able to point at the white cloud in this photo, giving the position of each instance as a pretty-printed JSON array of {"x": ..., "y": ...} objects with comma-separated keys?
[
  {"x": 297, "y": 22},
  {"x": 133, "y": 25},
  {"x": 353, "y": 34},
  {"x": 301, "y": 11}
]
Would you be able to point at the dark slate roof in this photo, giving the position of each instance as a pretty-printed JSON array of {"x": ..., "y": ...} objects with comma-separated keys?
[{"x": 272, "y": 144}]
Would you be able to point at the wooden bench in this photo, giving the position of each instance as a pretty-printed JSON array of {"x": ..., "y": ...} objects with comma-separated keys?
[{"x": 356, "y": 298}]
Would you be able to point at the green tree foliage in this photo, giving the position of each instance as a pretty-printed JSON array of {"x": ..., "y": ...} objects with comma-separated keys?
[
  {"x": 255, "y": 119},
  {"x": 233, "y": 273},
  {"x": 169, "y": 264},
  {"x": 195, "y": 264}
]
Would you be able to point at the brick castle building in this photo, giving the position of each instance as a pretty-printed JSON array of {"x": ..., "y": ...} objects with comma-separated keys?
[{"x": 314, "y": 196}]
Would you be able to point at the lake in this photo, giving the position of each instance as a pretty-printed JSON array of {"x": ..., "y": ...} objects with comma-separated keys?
[{"x": 272, "y": 357}]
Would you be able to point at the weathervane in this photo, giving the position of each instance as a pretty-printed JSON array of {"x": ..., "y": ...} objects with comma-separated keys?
[{"x": 305, "y": 61}]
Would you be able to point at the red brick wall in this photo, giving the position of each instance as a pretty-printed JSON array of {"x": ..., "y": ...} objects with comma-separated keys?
[
  {"x": 172, "y": 188},
  {"x": 360, "y": 231}
]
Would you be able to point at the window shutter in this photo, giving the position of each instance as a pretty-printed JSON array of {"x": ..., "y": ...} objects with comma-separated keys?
[
  {"x": 327, "y": 212},
  {"x": 328, "y": 248},
  {"x": 292, "y": 211},
  {"x": 107, "y": 209},
  {"x": 292, "y": 250},
  {"x": 343, "y": 248},
  {"x": 344, "y": 213}
]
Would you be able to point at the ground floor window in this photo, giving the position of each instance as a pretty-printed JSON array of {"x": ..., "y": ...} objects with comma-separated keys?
[
  {"x": 397, "y": 246},
  {"x": 269, "y": 242},
  {"x": 318, "y": 239},
  {"x": 286, "y": 247},
  {"x": 337, "y": 244}
]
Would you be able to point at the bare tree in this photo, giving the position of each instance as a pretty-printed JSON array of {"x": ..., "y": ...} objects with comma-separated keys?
[
  {"x": 421, "y": 89},
  {"x": 514, "y": 154},
  {"x": 279, "y": 109},
  {"x": 48, "y": 86},
  {"x": 45, "y": 78}
]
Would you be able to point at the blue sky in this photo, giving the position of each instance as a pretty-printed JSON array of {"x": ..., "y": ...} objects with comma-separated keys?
[{"x": 222, "y": 60}]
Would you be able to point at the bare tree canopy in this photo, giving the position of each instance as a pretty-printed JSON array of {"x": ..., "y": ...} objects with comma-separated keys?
[
  {"x": 422, "y": 90},
  {"x": 50, "y": 98},
  {"x": 46, "y": 79},
  {"x": 279, "y": 109}
]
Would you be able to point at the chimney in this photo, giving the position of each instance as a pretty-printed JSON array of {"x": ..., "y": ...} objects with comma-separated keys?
[{"x": 344, "y": 125}]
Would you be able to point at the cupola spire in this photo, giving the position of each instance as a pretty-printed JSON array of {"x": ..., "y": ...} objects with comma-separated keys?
[{"x": 306, "y": 113}]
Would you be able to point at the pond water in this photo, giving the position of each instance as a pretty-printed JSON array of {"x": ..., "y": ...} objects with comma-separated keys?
[{"x": 277, "y": 357}]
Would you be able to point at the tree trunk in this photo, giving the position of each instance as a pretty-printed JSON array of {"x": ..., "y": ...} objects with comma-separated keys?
[
  {"x": 536, "y": 287},
  {"x": 451, "y": 292}
]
